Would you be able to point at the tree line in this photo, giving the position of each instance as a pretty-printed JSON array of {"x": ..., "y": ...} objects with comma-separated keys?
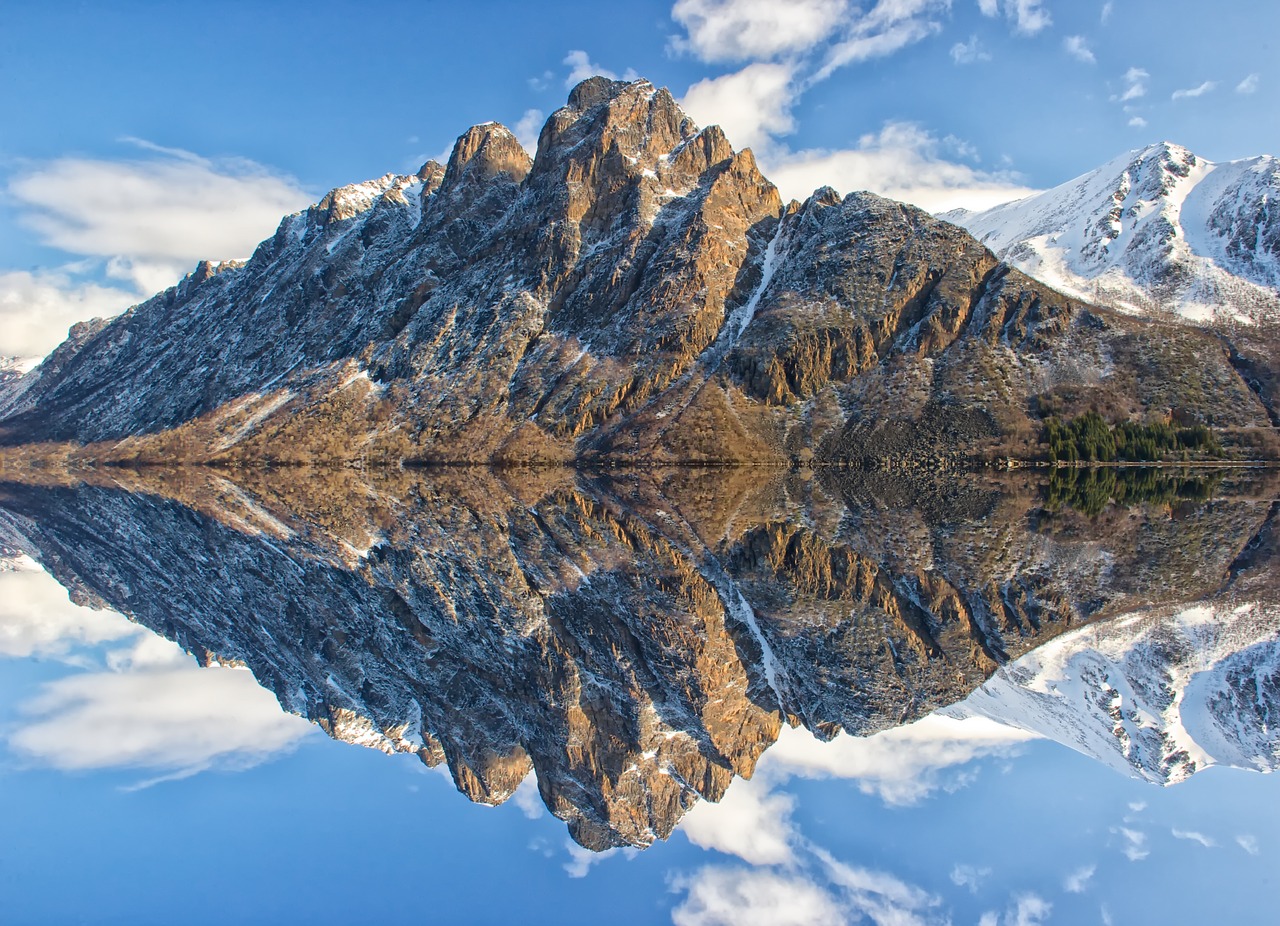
[{"x": 1088, "y": 438}]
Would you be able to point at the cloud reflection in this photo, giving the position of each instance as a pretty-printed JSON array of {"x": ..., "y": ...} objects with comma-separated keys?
[{"x": 140, "y": 703}]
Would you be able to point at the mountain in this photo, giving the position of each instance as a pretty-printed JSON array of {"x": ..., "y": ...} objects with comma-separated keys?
[
  {"x": 1159, "y": 695},
  {"x": 1156, "y": 230},
  {"x": 636, "y": 291},
  {"x": 637, "y": 640}
]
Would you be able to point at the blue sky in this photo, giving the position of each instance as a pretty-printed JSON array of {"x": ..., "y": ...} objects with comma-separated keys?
[{"x": 141, "y": 137}]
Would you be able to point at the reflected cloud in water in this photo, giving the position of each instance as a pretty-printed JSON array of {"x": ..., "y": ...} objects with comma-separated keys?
[{"x": 137, "y": 700}]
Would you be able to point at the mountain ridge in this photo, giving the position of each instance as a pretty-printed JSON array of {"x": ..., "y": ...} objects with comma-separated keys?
[{"x": 636, "y": 291}]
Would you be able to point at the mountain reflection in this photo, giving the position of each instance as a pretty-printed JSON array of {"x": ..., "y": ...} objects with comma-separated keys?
[{"x": 638, "y": 639}]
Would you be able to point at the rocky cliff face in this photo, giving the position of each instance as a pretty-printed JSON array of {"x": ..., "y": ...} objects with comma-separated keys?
[
  {"x": 636, "y": 641},
  {"x": 637, "y": 290}
]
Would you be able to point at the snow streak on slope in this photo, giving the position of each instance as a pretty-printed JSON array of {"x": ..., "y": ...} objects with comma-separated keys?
[
  {"x": 1158, "y": 229},
  {"x": 1156, "y": 695}
]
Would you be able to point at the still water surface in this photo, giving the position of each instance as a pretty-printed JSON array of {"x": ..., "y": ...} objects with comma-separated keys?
[{"x": 686, "y": 696}]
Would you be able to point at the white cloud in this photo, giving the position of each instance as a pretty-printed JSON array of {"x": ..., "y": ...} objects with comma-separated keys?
[
  {"x": 969, "y": 52},
  {"x": 1249, "y": 84},
  {"x": 1029, "y": 910},
  {"x": 155, "y": 709},
  {"x": 144, "y": 222},
  {"x": 1193, "y": 92},
  {"x": 750, "y": 105},
  {"x": 1077, "y": 46},
  {"x": 153, "y": 219},
  {"x": 1024, "y": 910},
  {"x": 1248, "y": 843},
  {"x": 581, "y": 67},
  {"x": 1078, "y": 880},
  {"x": 879, "y": 896},
  {"x": 581, "y": 860},
  {"x": 1135, "y": 843},
  {"x": 1028, "y": 17},
  {"x": 36, "y": 309},
  {"x": 968, "y": 876},
  {"x": 886, "y": 28},
  {"x": 739, "y": 30},
  {"x": 745, "y": 897},
  {"x": 528, "y": 128},
  {"x": 749, "y": 822},
  {"x": 1138, "y": 122},
  {"x": 527, "y": 797},
  {"x": 1192, "y": 836},
  {"x": 1135, "y": 86},
  {"x": 37, "y": 617},
  {"x": 902, "y": 161},
  {"x": 1107, "y": 9},
  {"x": 541, "y": 82},
  {"x": 898, "y": 765}
]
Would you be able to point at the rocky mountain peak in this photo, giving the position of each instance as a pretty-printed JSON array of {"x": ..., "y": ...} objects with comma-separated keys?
[
  {"x": 483, "y": 152},
  {"x": 431, "y": 174},
  {"x": 639, "y": 123}
]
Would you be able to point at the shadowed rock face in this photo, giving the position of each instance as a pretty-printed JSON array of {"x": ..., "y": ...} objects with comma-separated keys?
[
  {"x": 637, "y": 640},
  {"x": 636, "y": 291}
]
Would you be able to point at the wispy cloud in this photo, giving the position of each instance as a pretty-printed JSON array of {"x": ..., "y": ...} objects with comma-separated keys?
[
  {"x": 1134, "y": 843},
  {"x": 887, "y": 27},
  {"x": 581, "y": 67},
  {"x": 141, "y": 221},
  {"x": 154, "y": 217},
  {"x": 1026, "y": 909},
  {"x": 716, "y": 896},
  {"x": 1135, "y": 85},
  {"x": 1028, "y": 17},
  {"x": 903, "y": 161},
  {"x": 1192, "y": 836},
  {"x": 970, "y": 877},
  {"x": 1077, "y": 881},
  {"x": 969, "y": 52},
  {"x": 527, "y": 797},
  {"x": 1191, "y": 93},
  {"x": 753, "y": 30},
  {"x": 1248, "y": 843},
  {"x": 581, "y": 860},
  {"x": 1138, "y": 122},
  {"x": 1077, "y": 46},
  {"x": 527, "y": 128},
  {"x": 1107, "y": 9},
  {"x": 1249, "y": 84}
]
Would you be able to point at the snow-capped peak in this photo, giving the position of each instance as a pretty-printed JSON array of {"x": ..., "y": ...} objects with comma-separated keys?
[{"x": 1155, "y": 229}]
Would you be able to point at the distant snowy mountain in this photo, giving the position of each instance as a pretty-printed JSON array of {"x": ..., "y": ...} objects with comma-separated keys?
[
  {"x": 1158, "y": 695},
  {"x": 1155, "y": 230},
  {"x": 13, "y": 381}
]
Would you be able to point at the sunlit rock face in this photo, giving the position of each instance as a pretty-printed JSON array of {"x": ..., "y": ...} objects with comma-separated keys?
[
  {"x": 637, "y": 640},
  {"x": 635, "y": 291}
]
